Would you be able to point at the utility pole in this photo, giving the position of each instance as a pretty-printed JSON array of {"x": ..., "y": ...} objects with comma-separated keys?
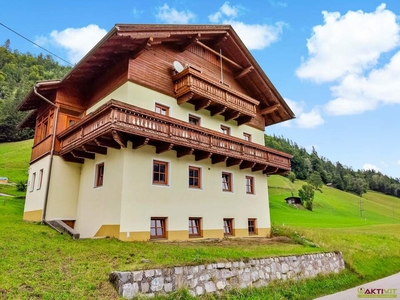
[{"x": 361, "y": 209}]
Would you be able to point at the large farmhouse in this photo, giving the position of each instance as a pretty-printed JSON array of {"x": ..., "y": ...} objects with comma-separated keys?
[{"x": 157, "y": 133}]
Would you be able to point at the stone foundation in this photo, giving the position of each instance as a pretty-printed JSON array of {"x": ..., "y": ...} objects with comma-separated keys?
[{"x": 225, "y": 275}]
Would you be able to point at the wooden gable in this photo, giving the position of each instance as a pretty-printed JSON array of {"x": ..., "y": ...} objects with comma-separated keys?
[{"x": 144, "y": 54}]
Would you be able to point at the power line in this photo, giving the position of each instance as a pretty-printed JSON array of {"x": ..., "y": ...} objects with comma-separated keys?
[{"x": 25, "y": 38}]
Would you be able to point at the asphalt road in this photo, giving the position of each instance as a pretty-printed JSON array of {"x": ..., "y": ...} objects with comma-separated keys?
[{"x": 385, "y": 288}]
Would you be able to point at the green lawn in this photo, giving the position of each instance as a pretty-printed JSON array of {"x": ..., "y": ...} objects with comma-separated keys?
[
  {"x": 14, "y": 164},
  {"x": 38, "y": 263}
]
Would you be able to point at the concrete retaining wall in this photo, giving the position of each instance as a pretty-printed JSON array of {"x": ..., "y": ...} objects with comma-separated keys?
[{"x": 225, "y": 275}]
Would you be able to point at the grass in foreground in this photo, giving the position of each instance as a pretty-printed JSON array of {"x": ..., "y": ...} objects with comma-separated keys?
[
  {"x": 14, "y": 164},
  {"x": 37, "y": 262}
]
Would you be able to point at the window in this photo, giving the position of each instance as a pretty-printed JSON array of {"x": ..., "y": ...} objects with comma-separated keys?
[
  {"x": 228, "y": 226},
  {"x": 194, "y": 177},
  {"x": 247, "y": 136},
  {"x": 32, "y": 183},
  {"x": 99, "y": 175},
  {"x": 194, "y": 120},
  {"x": 226, "y": 182},
  {"x": 225, "y": 130},
  {"x": 249, "y": 185},
  {"x": 39, "y": 184},
  {"x": 157, "y": 228},
  {"x": 161, "y": 109},
  {"x": 252, "y": 226},
  {"x": 44, "y": 129},
  {"x": 194, "y": 227},
  {"x": 160, "y": 172}
]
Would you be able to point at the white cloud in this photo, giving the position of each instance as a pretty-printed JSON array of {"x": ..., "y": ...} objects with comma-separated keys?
[
  {"x": 303, "y": 119},
  {"x": 311, "y": 119},
  {"x": 254, "y": 36},
  {"x": 349, "y": 44},
  {"x": 371, "y": 167},
  {"x": 257, "y": 36},
  {"x": 76, "y": 41},
  {"x": 172, "y": 16},
  {"x": 357, "y": 93},
  {"x": 225, "y": 11},
  {"x": 398, "y": 162}
]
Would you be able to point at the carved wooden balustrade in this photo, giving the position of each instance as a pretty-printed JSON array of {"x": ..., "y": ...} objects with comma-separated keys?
[
  {"x": 121, "y": 122},
  {"x": 192, "y": 86}
]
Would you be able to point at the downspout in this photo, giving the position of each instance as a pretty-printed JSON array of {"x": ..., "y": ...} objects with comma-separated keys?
[{"x": 51, "y": 152}]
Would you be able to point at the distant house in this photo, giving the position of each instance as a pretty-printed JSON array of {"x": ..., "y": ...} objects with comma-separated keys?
[
  {"x": 293, "y": 200},
  {"x": 157, "y": 133},
  {"x": 3, "y": 180}
]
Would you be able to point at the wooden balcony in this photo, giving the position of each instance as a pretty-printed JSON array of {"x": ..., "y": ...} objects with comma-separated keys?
[
  {"x": 42, "y": 148},
  {"x": 115, "y": 123},
  {"x": 192, "y": 86}
]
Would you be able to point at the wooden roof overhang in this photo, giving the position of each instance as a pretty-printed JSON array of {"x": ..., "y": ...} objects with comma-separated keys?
[
  {"x": 126, "y": 41},
  {"x": 115, "y": 123}
]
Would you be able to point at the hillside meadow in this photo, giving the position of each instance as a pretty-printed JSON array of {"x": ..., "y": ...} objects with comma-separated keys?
[{"x": 39, "y": 263}]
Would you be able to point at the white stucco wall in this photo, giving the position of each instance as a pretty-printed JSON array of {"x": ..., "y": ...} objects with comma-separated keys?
[
  {"x": 35, "y": 197},
  {"x": 142, "y": 200},
  {"x": 98, "y": 206},
  {"x": 64, "y": 190}
]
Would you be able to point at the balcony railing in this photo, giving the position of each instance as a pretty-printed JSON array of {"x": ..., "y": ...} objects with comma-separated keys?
[
  {"x": 136, "y": 122},
  {"x": 191, "y": 84},
  {"x": 42, "y": 148}
]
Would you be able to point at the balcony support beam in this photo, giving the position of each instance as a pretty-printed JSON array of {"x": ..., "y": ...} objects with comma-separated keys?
[
  {"x": 184, "y": 151},
  {"x": 95, "y": 149},
  {"x": 232, "y": 115},
  {"x": 233, "y": 162},
  {"x": 270, "y": 170},
  {"x": 163, "y": 147},
  {"x": 139, "y": 142},
  {"x": 218, "y": 158},
  {"x": 202, "y": 155},
  {"x": 82, "y": 154},
  {"x": 247, "y": 164},
  {"x": 119, "y": 138},
  {"x": 204, "y": 103},
  {"x": 244, "y": 120},
  {"x": 220, "y": 109},
  {"x": 259, "y": 167},
  {"x": 185, "y": 98},
  {"x": 70, "y": 158},
  {"x": 107, "y": 143}
]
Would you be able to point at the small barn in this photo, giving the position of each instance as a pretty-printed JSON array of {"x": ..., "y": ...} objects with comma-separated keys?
[
  {"x": 3, "y": 180},
  {"x": 293, "y": 200}
]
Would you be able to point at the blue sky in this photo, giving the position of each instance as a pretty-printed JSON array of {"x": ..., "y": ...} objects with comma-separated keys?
[{"x": 337, "y": 63}]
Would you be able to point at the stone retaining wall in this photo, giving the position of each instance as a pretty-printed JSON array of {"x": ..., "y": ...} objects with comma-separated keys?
[{"x": 225, "y": 275}]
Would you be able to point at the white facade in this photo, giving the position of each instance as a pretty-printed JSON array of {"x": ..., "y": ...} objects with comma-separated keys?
[{"x": 124, "y": 205}]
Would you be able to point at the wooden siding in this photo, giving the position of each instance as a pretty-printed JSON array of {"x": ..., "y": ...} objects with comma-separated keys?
[
  {"x": 153, "y": 68},
  {"x": 107, "y": 82},
  {"x": 42, "y": 148}
]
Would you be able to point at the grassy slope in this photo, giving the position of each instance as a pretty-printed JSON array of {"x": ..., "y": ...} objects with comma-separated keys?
[
  {"x": 14, "y": 164},
  {"x": 39, "y": 263}
]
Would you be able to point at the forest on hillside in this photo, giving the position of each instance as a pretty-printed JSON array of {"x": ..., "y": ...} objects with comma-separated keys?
[
  {"x": 18, "y": 74},
  {"x": 306, "y": 166}
]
